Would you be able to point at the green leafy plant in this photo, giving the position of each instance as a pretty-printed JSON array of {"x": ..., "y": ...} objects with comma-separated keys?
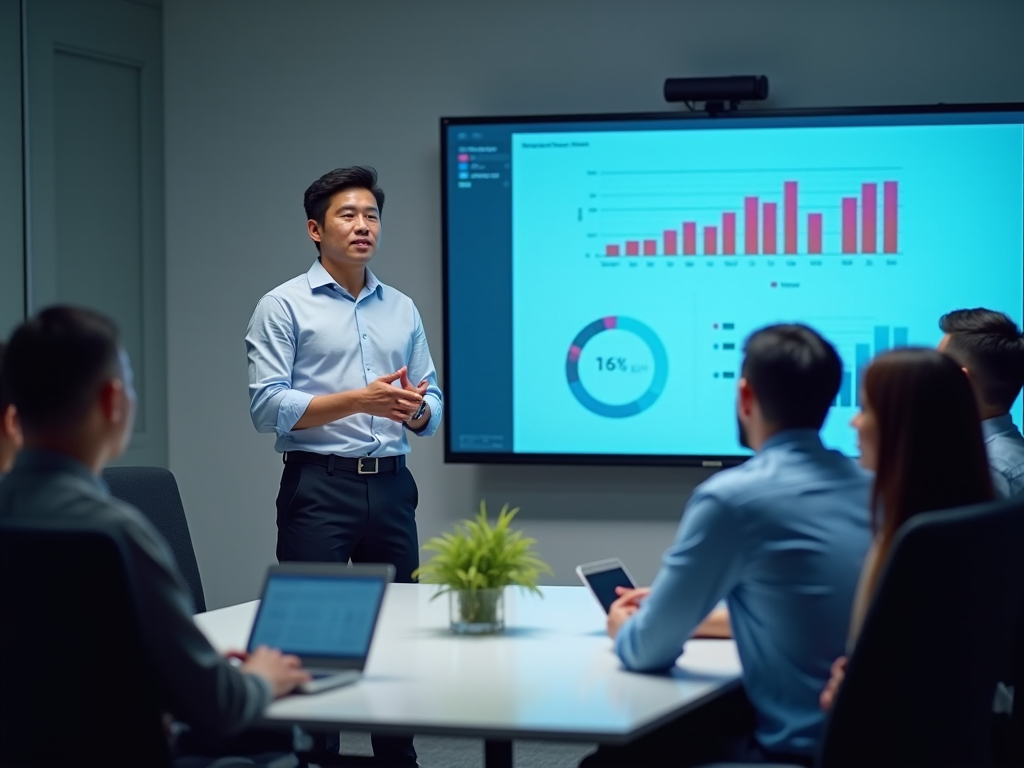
[{"x": 481, "y": 556}]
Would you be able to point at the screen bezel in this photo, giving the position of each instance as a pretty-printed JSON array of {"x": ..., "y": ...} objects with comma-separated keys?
[
  {"x": 713, "y": 461},
  {"x": 369, "y": 572}
]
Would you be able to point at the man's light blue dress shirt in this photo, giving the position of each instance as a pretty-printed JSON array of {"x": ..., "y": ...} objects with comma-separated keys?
[
  {"x": 1005, "y": 446},
  {"x": 782, "y": 539},
  {"x": 311, "y": 337}
]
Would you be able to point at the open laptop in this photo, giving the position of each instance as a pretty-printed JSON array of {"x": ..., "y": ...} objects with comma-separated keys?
[{"x": 325, "y": 614}]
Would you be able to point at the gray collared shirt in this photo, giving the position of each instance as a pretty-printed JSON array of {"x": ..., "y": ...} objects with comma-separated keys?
[
  {"x": 1005, "y": 446},
  {"x": 197, "y": 685}
]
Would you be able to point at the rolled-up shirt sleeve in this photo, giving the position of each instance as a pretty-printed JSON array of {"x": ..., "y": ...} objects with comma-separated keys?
[
  {"x": 697, "y": 571},
  {"x": 421, "y": 368},
  {"x": 270, "y": 345}
]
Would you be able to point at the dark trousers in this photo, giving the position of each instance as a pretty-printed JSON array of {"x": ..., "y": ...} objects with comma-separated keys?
[
  {"x": 339, "y": 515},
  {"x": 719, "y": 731},
  {"x": 260, "y": 746}
]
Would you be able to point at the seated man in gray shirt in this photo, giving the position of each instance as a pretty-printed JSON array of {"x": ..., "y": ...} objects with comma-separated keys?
[
  {"x": 781, "y": 539},
  {"x": 990, "y": 348},
  {"x": 70, "y": 381}
]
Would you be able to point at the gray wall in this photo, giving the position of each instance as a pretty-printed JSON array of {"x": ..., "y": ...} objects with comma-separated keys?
[
  {"x": 263, "y": 97},
  {"x": 12, "y": 201}
]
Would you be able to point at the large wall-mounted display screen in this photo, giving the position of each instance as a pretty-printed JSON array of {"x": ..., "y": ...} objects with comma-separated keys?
[{"x": 602, "y": 272}]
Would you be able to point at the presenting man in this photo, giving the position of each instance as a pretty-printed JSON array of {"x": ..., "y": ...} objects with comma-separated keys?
[{"x": 333, "y": 355}]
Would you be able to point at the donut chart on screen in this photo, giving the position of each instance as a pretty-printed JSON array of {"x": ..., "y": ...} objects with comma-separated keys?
[{"x": 621, "y": 410}]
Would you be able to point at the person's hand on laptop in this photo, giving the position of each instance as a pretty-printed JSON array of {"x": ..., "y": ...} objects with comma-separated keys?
[
  {"x": 625, "y": 605},
  {"x": 284, "y": 672}
]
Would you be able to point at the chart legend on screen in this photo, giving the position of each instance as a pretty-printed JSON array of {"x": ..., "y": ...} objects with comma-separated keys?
[{"x": 864, "y": 223}]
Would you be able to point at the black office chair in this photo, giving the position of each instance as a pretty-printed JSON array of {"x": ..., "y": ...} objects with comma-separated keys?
[
  {"x": 1010, "y": 728},
  {"x": 76, "y": 687},
  {"x": 937, "y": 638},
  {"x": 154, "y": 492}
]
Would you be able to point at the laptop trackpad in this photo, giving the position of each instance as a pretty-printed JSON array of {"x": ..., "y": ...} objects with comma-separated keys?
[{"x": 323, "y": 680}]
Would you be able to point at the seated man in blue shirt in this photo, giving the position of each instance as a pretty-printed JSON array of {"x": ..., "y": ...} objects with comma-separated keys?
[
  {"x": 990, "y": 348},
  {"x": 781, "y": 539}
]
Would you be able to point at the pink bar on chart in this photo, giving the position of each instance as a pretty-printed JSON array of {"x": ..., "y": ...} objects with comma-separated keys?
[
  {"x": 671, "y": 238},
  {"x": 814, "y": 233},
  {"x": 889, "y": 205},
  {"x": 750, "y": 205},
  {"x": 611, "y": 250},
  {"x": 650, "y": 247},
  {"x": 789, "y": 213},
  {"x": 729, "y": 234},
  {"x": 770, "y": 215},
  {"x": 849, "y": 225},
  {"x": 632, "y": 247},
  {"x": 710, "y": 241},
  {"x": 689, "y": 238},
  {"x": 869, "y": 218}
]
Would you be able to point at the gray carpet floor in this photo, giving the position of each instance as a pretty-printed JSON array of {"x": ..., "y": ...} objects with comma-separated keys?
[{"x": 441, "y": 752}]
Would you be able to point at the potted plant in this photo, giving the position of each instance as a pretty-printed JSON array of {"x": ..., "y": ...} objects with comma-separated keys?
[{"x": 475, "y": 563}]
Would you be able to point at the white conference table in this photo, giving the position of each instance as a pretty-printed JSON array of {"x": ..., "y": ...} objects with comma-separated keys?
[{"x": 551, "y": 675}]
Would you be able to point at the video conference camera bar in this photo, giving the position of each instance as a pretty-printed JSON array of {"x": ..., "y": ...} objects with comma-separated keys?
[{"x": 719, "y": 94}]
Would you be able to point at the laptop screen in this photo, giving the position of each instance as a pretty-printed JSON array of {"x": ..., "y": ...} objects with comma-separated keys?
[{"x": 322, "y": 616}]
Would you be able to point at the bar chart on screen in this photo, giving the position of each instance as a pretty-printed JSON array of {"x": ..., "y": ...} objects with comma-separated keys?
[
  {"x": 857, "y": 340},
  {"x": 881, "y": 339},
  {"x": 728, "y": 213}
]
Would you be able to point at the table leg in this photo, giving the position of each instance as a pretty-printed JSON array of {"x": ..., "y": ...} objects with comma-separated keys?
[{"x": 497, "y": 754}]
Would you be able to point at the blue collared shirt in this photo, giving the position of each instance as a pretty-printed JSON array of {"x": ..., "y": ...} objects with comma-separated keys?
[
  {"x": 1005, "y": 446},
  {"x": 311, "y": 337},
  {"x": 781, "y": 538}
]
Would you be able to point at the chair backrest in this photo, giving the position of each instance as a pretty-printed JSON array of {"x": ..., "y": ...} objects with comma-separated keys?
[
  {"x": 154, "y": 492},
  {"x": 77, "y": 687},
  {"x": 937, "y": 638},
  {"x": 1015, "y": 746}
]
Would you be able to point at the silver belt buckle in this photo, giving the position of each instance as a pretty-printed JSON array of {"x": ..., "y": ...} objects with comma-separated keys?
[{"x": 359, "y": 465}]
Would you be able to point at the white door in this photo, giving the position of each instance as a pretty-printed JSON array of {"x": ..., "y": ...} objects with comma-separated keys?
[{"x": 94, "y": 181}]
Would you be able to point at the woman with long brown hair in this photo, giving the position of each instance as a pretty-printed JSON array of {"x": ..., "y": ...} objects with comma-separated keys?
[{"x": 920, "y": 433}]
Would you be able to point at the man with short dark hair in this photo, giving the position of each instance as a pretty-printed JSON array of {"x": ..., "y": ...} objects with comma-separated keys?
[
  {"x": 10, "y": 434},
  {"x": 989, "y": 346},
  {"x": 781, "y": 538},
  {"x": 332, "y": 357},
  {"x": 71, "y": 383}
]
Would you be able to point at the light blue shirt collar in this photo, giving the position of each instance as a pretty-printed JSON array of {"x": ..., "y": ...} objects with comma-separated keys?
[
  {"x": 807, "y": 438},
  {"x": 318, "y": 277},
  {"x": 997, "y": 425}
]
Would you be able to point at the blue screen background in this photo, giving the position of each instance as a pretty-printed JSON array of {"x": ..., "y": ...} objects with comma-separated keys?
[{"x": 534, "y": 298}]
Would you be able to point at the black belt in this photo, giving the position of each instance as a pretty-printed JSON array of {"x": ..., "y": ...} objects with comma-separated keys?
[{"x": 364, "y": 465}]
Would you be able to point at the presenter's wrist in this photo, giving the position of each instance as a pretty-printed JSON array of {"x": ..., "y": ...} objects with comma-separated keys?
[{"x": 419, "y": 413}]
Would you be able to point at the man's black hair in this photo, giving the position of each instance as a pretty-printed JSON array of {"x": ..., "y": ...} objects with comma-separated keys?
[
  {"x": 990, "y": 345},
  {"x": 55, "y": 364},
  {"x": 795, "y": 374}
]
